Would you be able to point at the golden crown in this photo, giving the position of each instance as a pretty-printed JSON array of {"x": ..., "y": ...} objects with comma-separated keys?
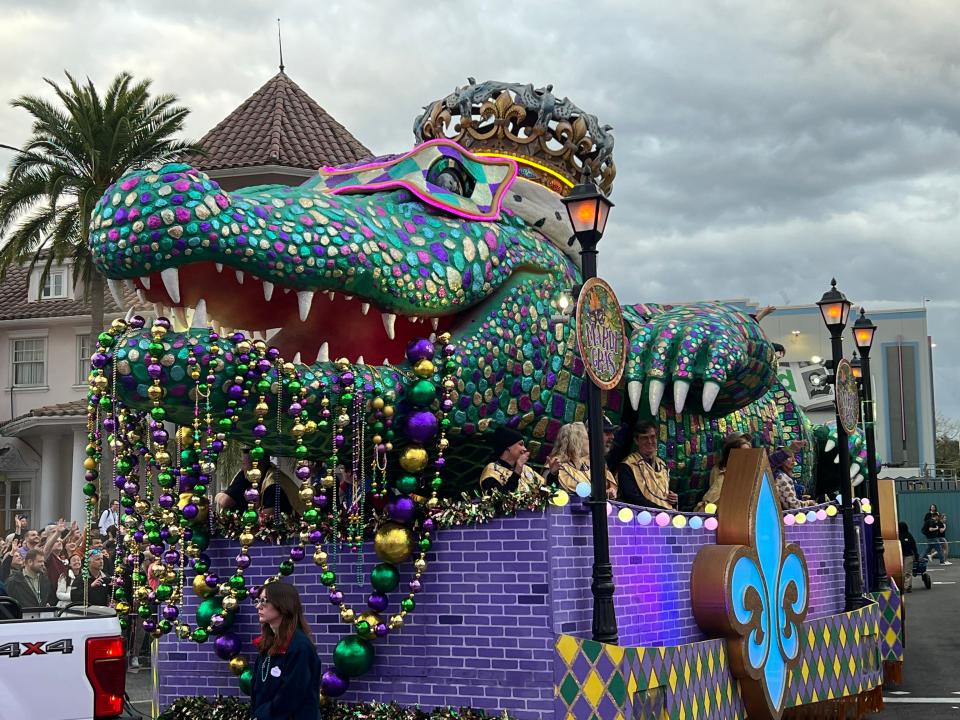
[{"x": 554, "y": 142}]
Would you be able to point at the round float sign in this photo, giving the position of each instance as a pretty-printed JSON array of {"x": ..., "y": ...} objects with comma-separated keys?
[
  {"x": 601, "y": 334},
  {"x": 848, "y": 400}
]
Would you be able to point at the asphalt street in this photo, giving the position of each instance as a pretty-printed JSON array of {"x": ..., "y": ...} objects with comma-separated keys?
[{"x": 931, "y": 683}]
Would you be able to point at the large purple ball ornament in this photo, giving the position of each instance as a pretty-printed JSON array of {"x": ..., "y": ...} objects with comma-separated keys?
[
  {"x": 333, "y": 685},
  {"x": 227, "y": 646},
  {"x": 419, "y": 349},
  {"x": 421, "y": 426},
  {"x": 403, "y": 509}
]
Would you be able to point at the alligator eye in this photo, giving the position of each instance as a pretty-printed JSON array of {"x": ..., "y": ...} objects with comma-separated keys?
[{"x": 448, "y": 173}]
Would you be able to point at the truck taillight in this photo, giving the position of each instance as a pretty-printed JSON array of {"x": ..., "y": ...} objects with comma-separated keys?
[{"x": 107, "y": 673}]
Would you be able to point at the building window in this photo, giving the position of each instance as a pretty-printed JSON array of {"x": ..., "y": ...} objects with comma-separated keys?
[
  {"x": 14, "y": 500},
  {"x": 29, "y": 362},
  {"x": 83, "y": 358},
  {"x": 55, "y": 285}
]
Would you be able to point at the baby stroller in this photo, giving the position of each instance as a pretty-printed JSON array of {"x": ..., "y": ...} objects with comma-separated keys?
[{"x": 920, "y": 570}]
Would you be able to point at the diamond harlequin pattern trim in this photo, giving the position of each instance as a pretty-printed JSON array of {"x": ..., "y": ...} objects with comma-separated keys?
[
  {"x": 841, "y": 655},
  {"x": 890, "y": 606}
]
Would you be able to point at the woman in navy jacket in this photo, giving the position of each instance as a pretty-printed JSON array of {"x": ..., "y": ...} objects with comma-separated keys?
[{"x": 286, "y": 678}]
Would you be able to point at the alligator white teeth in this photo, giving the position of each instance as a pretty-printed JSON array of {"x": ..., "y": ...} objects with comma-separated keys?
[
  {"x": 129, "y": 316},
  {"x": 359, "y": 360},
  {"x": 180, "y": 318},
  {"x": 857, "y": 479},
  {"x": 364, "y": 308},
  {"x": 656, "y": 395},
  {"x": 433, "y": 337},
  {"x": 286, "y": 291},
  {"x": 296, "y": 359},
  {"x": 680, "y": 390},
  {"x": 145, "y": 281},
  {"x": 435, "y": 321},
  {"x": 829, "y": 445},
  {"x": 199, "y": 319},
  {"x": 710, "y": 391},
  {"x": 116, "y": 289},
  {"x": 413, "y": 318},
  {"x": 219, "y": 267},
  {"x": 386, "y": 361},
  {"x": 854, "y": 469},
  {"x": 171, "y": 281},
  {"x": 304, "y": 302},
  {"x": 141, "y": 297},
  {"x": 349, "y": 297},
  {"x": 323, "y": 354},
  {"x": 267, "y": 290},
  {"x": 836, "y": 459},
  {"x": 332, "y": 295},
  {"x": 239, "y": 276},
  {"x": 389, "y": 319},
  {"x": 635, "y": 390}
]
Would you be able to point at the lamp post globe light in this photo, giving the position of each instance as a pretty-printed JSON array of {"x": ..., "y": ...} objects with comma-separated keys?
[
  {"x": 835, "y": 309},
  {"x": 588, "y": 209},
  {"x": 863, "y": 333}
]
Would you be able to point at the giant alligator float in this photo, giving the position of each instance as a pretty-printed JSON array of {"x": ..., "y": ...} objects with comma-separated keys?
[{"x": 465, "y": 234}]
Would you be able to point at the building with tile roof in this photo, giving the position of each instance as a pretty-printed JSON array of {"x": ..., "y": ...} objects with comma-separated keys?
[{"x": 277, "y": 135}]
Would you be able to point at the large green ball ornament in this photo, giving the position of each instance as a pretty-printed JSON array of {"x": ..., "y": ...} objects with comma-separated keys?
[
  {"x": 164, "y": 592},
  {"x": 201, "y": 537},
  {"x": 246, "y": 681},
  {"x": 353, "y": 656},
  {"x": 393, "y": 543},
  {"x": 407, "y": 484},
  {"x": 385, "y": 577},
  {"x": 286, "y": 567},
  {"x": 210, "y": 607},
  {"x": 423, "y": 392},
  {"x": 199, "y": 635}
]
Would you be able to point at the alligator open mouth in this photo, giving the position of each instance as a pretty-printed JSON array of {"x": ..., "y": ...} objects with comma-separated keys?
[{"x": 304, "y": 325}]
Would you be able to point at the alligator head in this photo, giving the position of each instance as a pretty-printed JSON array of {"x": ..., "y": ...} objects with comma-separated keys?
[{"x": 354, "y": 264}]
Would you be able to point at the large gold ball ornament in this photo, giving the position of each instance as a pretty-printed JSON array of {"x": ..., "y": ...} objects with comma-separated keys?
[
  {"x": 183, "y": 632},
  {"x": 396, "y": 622},
  {"x": 201, "y": 588},
  {"x": 229, "y": 603},
  {"x": 311, "y": 426},
  {"x": 246, "y": 539},
  {"x": 142, "y": 593},
  {"x": 163, "y": 458},
  {"x": 377, "y": 403},
  {"x": 298, "y": 430},
  {"x": 347, "y": 614},
  {"x": 261, "y": 409},
  {"x": 141, "y": 506},
  {"x": 154, "y": 392},
  {"x": 424, "y": 368},
  {"x": 414, "y": 459},
  {"x": 185, "y": 436},
  {"x": 306, "y": 493},
  {"x": 388, "y": 410},
  {"x": 237, "y": 665},
  {"x": 320, "y": 557},
  {"x": 122, "y": 608},
  {"x": 254, "y": 475},
  {"x": 393, "y": 543},
  {"x": 420, "y": 565},
  {"x": 89, "y": 464},
  {"x": 243, "y": 347}
]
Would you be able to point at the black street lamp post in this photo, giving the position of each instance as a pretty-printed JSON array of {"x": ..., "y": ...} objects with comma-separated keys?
[
  {"x": 835, "y": 309},
  {"x": 863, "y": 332},
  {"x": 588, "y": 210}
]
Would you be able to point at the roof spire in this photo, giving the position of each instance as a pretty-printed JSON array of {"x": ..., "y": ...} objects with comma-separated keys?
[{"x": 280, "y": 44}]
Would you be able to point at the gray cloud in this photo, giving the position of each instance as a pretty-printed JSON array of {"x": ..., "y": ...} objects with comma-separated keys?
[{"x": 762, "y": 147}]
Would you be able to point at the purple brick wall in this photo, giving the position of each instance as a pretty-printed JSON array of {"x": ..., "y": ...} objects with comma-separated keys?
[{"x": 495, "y": 597}]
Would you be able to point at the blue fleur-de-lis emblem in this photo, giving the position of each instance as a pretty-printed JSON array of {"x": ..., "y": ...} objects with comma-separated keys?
[{"x": 751, "y": 587}]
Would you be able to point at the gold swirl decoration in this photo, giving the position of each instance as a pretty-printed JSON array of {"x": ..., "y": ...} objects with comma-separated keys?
[{"x": 555, "y": 143}]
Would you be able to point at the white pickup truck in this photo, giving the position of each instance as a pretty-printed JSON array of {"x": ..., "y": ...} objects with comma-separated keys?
[{"x": 60, "y": 663}]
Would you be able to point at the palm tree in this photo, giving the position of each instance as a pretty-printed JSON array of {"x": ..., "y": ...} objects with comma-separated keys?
[{"x": 76, "y": 150}]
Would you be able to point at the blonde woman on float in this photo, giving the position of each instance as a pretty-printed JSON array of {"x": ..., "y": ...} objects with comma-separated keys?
[{"x": 569, "y": 461}]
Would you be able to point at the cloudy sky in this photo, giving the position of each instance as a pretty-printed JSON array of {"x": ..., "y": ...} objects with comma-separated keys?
[{"x": 761, "y": 147}]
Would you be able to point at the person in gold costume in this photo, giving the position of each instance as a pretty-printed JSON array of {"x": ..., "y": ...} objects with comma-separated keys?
[
  {"x": 569, "y": 462},
  {"x": 643, "y": 478},
  {"x": 719, "y": 471},
  {"x": 509, "y": 471}
]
